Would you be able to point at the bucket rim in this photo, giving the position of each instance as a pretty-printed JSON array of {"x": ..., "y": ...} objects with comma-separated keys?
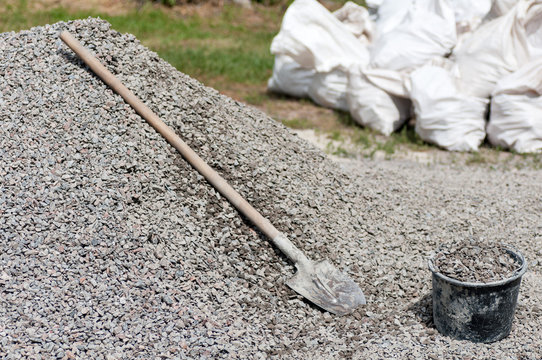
[{"x": 519, "y": 273}]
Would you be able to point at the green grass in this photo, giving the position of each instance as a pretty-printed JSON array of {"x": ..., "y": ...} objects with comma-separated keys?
[
  {"x": 350, "y": 140},
  {"x": 336, "y": 135},
  {"x": 297, "y": 123},
  {"x": 231, "y": 63},
  {"x": 407, "y": 135},
  {"x": 344, "y": 118},
  {"x": 388, "y": 147},
  {"x": 220, "y": 47},
  {"x": 367, "y": 139},
  {"x": 340, "y": 151},
  {"x": 363, "y": 139}
]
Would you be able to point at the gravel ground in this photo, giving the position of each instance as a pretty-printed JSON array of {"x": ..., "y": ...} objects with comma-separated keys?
[{"x": 112, "y": 247}]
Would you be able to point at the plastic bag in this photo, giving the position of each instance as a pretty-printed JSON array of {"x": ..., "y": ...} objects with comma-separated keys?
[
  {"x": 317, "y": 40},
  {"x": 499, "y": 47},
  {"x": 373, "y": 107},
  {"x": 445, "y": 116},
  {"x": 516, "y": 110},
  {"x": 426, "y": 31},
  {"x": 290, "y": 78}
]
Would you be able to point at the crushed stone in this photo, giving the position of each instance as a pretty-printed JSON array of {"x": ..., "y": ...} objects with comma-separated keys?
[
  {"x": 476, "y": 262},
  {"x": 111, "y": 246}
]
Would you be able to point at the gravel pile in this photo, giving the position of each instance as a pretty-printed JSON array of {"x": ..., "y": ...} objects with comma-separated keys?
[{"x": 112, "y": 247}]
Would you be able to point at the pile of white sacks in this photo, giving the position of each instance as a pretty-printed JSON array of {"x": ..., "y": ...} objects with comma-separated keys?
[{"x": 451, "y": 64}]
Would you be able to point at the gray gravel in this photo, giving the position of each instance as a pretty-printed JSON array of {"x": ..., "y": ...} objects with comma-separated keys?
[
  {"x": 112, "y": 247},
  {"x": 476, "y": 262}
]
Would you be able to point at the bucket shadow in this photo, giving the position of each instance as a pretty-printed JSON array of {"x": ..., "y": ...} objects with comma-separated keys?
[{"x": 423, "y": 310}]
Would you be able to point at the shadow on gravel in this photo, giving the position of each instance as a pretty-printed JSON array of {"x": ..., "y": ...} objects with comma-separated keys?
[
  {"x": 73, "y": 59},
  {"x": 423, "y": 310}
]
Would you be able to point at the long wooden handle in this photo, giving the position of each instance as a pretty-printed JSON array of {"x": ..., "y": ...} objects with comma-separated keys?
[{"x": 201, "y": 166}]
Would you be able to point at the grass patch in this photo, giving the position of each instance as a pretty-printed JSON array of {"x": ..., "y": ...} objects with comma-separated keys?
[
  {"x": 388, "y": 146},
  {"x": 476, "y": 158},
  {"x": 344, "y": 118},
  {"x": 297, "y": 123},
  {"x": 363, "y": 138},
  {"x": 188, "y": 43},
  {"x": 337, "y": 150},
  {"x": 407, "y": 135},
  {"x": 256, "y": 98},
  {"x": 230, "y": 63},
  {"x": 367, "y": 139},
  {"x": 340, "y": 151},
  {"x": 533, "y": 160},
  {"x": 335, "y": 135}
]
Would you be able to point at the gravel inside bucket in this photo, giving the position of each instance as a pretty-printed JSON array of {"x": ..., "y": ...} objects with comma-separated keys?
[
  {"x": 112, "y": 247},
  {"x": 476, "y": 262}
]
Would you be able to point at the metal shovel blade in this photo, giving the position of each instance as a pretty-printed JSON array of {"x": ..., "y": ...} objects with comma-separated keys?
[{"x": 328, "y": 288}]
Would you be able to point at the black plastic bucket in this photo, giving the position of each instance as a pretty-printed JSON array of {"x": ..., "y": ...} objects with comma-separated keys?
[{"x": 478, "y": 312}]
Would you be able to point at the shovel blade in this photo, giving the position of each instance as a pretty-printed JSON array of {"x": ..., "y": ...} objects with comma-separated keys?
[{"x": 328, "y": 288}]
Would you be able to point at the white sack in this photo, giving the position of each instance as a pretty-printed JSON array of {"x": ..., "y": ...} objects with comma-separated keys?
[
  {"x": 316, "y": 39},
  {"x": 397, "y": 83},
  {"x": 290, "y": 78},
  {"x": 516, "y": 110},
  {"x": 445, "y": 116},
  {"x": 373, "y": 107},
  {"x": 329, "y": 89},
  {"x": 427, "y": 30},
  {"x": 356, "y": 19},
  {"x": 499, "y": 47},
  {"x": 390, "y": 13},
  {"x": 393, "y": 82},
  {"x": 469, "y": 14},
  {"x": 500, "y": 7},
  {"x": 373, "y": 4}
]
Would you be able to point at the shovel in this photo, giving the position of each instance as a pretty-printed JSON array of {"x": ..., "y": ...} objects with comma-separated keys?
[{"x": 319, "y": 282}]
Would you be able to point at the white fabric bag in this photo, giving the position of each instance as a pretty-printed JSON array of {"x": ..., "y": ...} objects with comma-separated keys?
[
  {"x": 390, "y": 13},
  {"x": 357, "y": 19},
  {"x": 290, "y": 78},
  {"x": 445, "y": 116},
  {"x": 499, "y": 48},
  {"x": 426, "y": 31},
  {"x": 373, "y": 4},
  {"x": 469, "y": 14},
  {"x": 329, "y": 89},
  {"x": 516, "y": 110},
  {"x": 316, "y": 39},
  {"x": 373, "y": 107},
  {"x": 393, "y": 82},
  {"x": 500, "y": 8}
]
